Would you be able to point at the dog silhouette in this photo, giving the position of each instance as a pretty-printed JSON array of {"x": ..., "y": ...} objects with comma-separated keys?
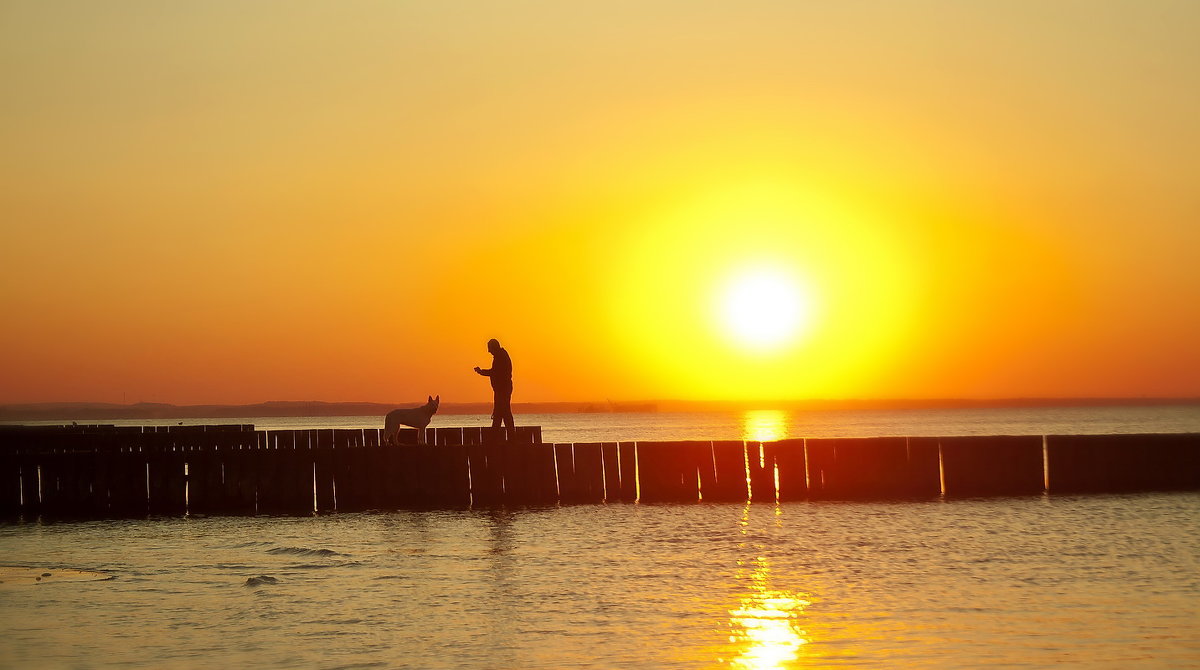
[{"x": 413, "y": 417}]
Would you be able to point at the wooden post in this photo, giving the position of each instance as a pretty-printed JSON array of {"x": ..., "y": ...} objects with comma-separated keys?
[
  {"x": 472, "y": 435},
  {"x": 529, "y": 474},
  {"x": 357, "y": 494},
  {"x": 217, "y": 497},
  {"x": 241, "y": 477},
  {"x": 101, "y": 475},
  {"x": 270, "y": 473},
  {"x": 391, "y": 466},
  {"x": 1122, "y": 463},
  {"x": 306, "y": 471},
  {"x": 31, "y": 501},
  {"x": 537, "y": 464},
  {"x": 73, "y": 480},
  {"x": 50, "y": 470},
  {"x": 653, "y": 474},
  {"x": 487, "y": 475},
  {"x": 199, "y": 463},
  {"x": 422, "y": 476},
  {"x": 372, "y": 437},
  {"x": 349, "y": 476},
  {"x": 706, "y": 466},
  {"x": 452, "y": 476},
  {"x": 792, "y": 468},
  {"x": 155, "y": 473},
  {"x": 627, "y": 457},
  {"x": 379, "y": 488},
  {"x": 297, "y": 472},
  {"x": 449, "y": 436},
  {"x": 10, "y": 478},
  {"x": 55, "y": 473},
  {"x": 761, "y": 466},
  {"x": 667, "y": 471},
  {"x": 494, "y": 435},
  {"x": 612, "y": 472},
  {"x": 127, "y": 493},
  {"x": 870, "y": 468},
  {"x": 324, "y": 462},
  {"x": 526, "y": 434},
  {"x": 992, "y": 466},
  {"x": 589, "y": 471},
  {"x": 569, "y": 490},
  {"x": 168, "y": 485},
  {"x": 924, "y": 467},
  {"x": 410, "y": 475},
  {"x": 729, "y": 462}
]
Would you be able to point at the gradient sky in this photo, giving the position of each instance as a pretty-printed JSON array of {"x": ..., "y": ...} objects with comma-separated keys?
[{"x": 246, "y": 201}]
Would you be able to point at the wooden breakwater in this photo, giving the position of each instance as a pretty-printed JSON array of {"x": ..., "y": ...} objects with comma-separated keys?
[{"x": 106, "y": 471}]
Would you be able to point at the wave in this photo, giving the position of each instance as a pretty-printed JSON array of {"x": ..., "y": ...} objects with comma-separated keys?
[
  {"x": 323, "y": 566},
  {"x": 304, "y": 551}
]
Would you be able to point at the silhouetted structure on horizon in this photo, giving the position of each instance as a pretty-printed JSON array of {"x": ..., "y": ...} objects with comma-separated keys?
[{"x": 90, "y": 471}]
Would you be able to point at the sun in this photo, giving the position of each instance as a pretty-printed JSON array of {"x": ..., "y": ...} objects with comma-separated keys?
[{"x": 763, "y": 309}]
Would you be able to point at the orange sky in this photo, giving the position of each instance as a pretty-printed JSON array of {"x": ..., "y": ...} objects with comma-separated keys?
[{"x": 238, "y": 202}]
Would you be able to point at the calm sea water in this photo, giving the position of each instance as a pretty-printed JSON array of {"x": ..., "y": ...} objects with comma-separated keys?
[
  {"x": 1098, "y": 581},
  {"x": 770, "y": 424}
]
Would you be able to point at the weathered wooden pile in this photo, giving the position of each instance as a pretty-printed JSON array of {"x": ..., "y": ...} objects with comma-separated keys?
[{"x": 106, "y": 471}]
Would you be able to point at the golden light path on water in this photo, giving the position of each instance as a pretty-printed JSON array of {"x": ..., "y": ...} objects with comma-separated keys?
[
  {"x": 764, "y": 425},
  {"x": 765, "y": 626}
]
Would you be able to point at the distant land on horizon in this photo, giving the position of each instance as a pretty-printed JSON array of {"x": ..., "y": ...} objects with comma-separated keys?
[{"x": 144, "y": 410}]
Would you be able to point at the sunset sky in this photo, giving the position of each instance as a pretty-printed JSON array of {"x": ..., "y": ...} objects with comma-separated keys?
[{"x": 226, "y": 202}]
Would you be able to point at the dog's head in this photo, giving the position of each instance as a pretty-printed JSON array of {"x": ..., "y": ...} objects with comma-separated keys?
[{"x": 434, "y": 402}]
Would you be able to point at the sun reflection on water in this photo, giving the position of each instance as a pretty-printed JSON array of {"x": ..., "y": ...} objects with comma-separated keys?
[
  {"x": 764, "y": 425},
  {"x": 766, "y": 624}
]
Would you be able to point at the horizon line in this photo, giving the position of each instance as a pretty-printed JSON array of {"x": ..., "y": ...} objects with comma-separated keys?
[{"x": 283, "y": 408}]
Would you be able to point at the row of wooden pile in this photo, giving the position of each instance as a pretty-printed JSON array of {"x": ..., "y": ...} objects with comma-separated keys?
[{"x": 96, "y": 471}]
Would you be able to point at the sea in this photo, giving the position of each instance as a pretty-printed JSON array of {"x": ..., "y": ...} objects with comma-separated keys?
[{"x": 1100, "y": 581}]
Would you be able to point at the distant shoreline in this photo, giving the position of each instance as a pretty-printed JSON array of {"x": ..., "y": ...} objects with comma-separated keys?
[{"x": 89, "y": 410}]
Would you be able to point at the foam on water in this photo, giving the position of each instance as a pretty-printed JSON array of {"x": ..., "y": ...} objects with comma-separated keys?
[{"x": 23, "y": 575}]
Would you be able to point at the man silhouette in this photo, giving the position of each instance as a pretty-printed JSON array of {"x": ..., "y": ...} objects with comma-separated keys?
[{"x": 502, "y": 385}]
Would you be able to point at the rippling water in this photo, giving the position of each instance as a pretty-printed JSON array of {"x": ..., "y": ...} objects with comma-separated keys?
[
  {"x": 1099, "y": 581},
  {"x": 1105, "y": 581},
  {"x": 774, "y": 424}
]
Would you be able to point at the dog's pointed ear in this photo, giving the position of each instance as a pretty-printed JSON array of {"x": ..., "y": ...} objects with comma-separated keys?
[
  {"x": 430, "y": 398},
  {"x": 437, "y": 398}
]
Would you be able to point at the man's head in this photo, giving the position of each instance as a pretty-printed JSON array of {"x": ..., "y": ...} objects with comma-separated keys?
[{"x": 493, "y": 345}]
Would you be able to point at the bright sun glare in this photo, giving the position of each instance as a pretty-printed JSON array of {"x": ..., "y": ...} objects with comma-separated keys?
[{"x": 763, "y": 309}]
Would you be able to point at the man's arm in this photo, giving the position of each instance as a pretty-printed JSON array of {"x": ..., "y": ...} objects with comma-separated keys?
[{"x": 485, "y": 373}]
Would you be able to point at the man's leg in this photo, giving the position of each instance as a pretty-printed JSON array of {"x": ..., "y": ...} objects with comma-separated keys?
[
  {"x": 503, "y": 408},
  {"x": 508, "y": 417}
]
